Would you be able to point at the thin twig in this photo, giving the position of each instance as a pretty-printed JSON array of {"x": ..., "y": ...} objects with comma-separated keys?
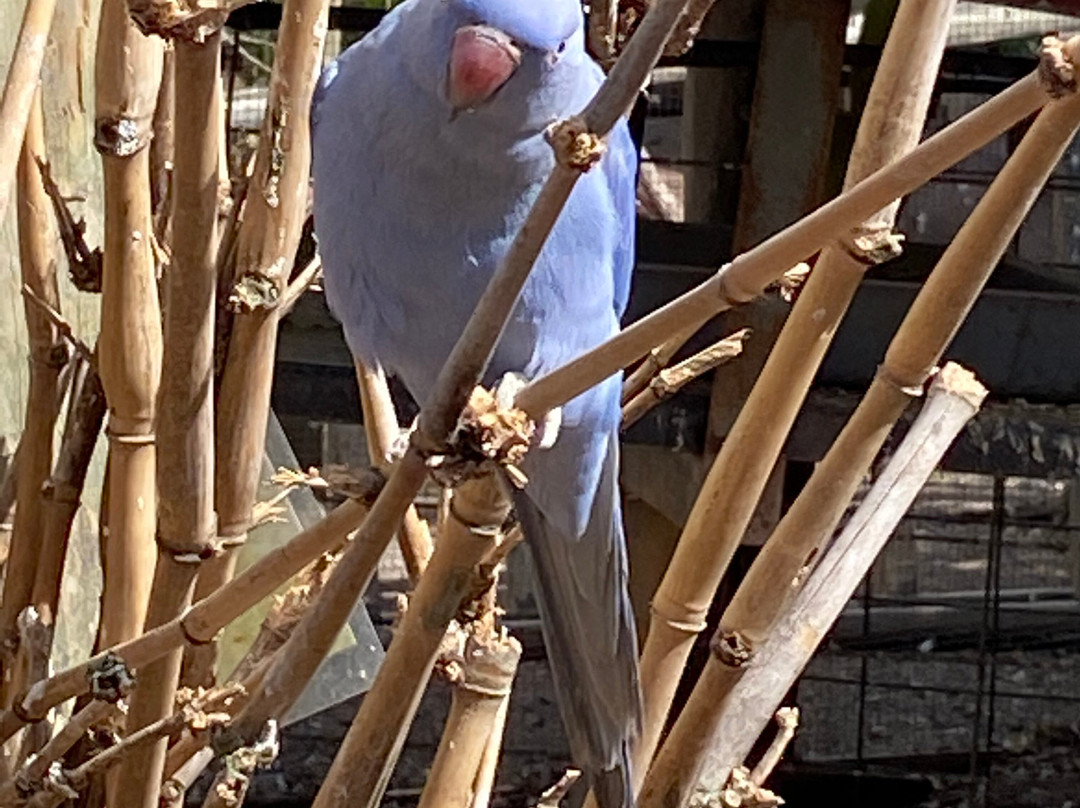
[
  {"x": 60, "y": 323},
  {"x": 84, "y": 264},
  {"x": 300, "y": 284},
  {"x": 669, "y": 381}
]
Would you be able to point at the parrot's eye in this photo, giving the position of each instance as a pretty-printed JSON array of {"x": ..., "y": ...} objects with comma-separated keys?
[{"x": 561, "y": 48}]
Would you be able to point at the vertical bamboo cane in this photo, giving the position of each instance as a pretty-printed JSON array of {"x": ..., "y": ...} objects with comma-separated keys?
[
  {"x": 891, "y": 127},
  {"x": 19, "y": 88},
  {"x": 934, "y": 318},
  {"x": 731, "y": 727},
  {"x": 487, "y": 674},
  {"x": 128, "y": 73},
  {"x": 48, "y": 355},
  {"x": 185, "y": 462},
  {"x": 381, "y": 427},
  {"x": 63, "y": 491},
  {"x": 269, "y": 234},
  {"x": 363, "y": 764}
]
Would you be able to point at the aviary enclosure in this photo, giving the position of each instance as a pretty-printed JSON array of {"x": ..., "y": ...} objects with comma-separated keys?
[{"x": 196, "y": 270}]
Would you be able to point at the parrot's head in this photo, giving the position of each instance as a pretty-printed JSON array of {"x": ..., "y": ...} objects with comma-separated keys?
[{"x": 506, "y": 43}]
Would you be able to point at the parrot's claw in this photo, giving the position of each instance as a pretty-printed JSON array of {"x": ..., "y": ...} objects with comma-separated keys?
[
  {"x": 400, "y": 444},
  {"x": 547, "y": 428}
]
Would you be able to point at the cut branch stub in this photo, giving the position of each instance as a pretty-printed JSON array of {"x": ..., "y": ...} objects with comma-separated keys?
[{"x": 190, "y": 20}]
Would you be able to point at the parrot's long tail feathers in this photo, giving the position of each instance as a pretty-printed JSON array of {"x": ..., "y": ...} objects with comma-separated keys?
[{"x": 590, "y": 636}]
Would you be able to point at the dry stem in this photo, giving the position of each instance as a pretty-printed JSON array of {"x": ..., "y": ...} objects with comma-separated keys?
[
  {"x": 669, "y": 381},
  {"x": 929, "y": 327},
  {"x": 741, "y": 470},
  {"x": 48, "y": 355},
  {"x": 20, "y": 87},
  {"x": 185, "y": 463},
  {"x": 954, "y": 398}
]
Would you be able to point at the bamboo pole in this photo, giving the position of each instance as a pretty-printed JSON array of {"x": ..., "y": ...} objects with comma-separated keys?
[
  {"x": 745, "y": 277},
  {"x": 655, "y": 360},
  {"x": 20, "y": 87},
  {"x": 367, "y": 756},
  {"x": 128, "y": 73},
  {"x": 269, "y": 233},
  {"x": 489, "y": 763},
  {"x": 480, "y": 695},
  {"x": 163, "y": 147},
  {"x": 732, "y": 727},
  {"x": 891, "y": 126},
  {"x": 382, "y": 430},
  {"x": 185, "y": 462},
  {"x": 62, "y": 493},
  {"x": 48, "y": 355}
]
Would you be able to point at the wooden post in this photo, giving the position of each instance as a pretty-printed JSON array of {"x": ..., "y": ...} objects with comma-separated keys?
[{"x": 185, "y": 461}]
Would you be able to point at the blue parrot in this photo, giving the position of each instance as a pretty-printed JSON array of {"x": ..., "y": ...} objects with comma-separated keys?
[{"x": 429, "y": 149}]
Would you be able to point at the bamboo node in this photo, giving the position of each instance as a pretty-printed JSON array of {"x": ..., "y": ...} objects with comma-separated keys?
[
  {"x": 873, "y": 247},
  {"x": 487, "y": 435},
  {"x": 190, "y": 20},
  {"x": 254, "y": 291},
  {"x": 678, "y": 616},
  {"x": 109, "y": 677},
  {"x": 484, "y": 665},
  {"x": 1056, "y": 70},
  {"x": 122, "y": 136},
  {"x": 731, "y": 648},
  {"x": 730, "y": 294},
  {"x": 575, "y": 145}
]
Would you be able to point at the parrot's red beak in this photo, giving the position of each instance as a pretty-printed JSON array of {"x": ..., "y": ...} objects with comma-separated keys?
[{"x": 482, "y": 59}]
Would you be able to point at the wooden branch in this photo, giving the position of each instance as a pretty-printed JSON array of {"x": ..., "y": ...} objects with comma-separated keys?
[
  {"x": 29, "y": 778},
  {"x": 381, "y": 427},
  {"x": 604, "y": 31},
  {"x": 954, "y": 398},
  {"x": 128, "y": 73},
  {"x": 744, "y": 278},
  {"x": 668, "y": 382},
  {"x": 20, "y": 86},
  {"x": 185, "y": 424},
  {"x": 48, "y": 356},
  {"x": 787, "y": 721},
  {"x": 308, "y": 276},
  {"x": 740, "y": 472},
  {"x": 552, "y": 798},
  {"x": 193, "y": 21},
  {"x": 84, "y": 264},
  {"x": 689, "y": 27}
]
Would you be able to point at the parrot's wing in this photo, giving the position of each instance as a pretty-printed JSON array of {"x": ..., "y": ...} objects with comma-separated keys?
[{"x": 620, "y": 166}]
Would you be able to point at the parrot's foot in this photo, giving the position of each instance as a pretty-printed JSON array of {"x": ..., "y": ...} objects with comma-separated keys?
[
  {"x": 547, "y": 429},
  {"x": 400, "y": 444}
]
